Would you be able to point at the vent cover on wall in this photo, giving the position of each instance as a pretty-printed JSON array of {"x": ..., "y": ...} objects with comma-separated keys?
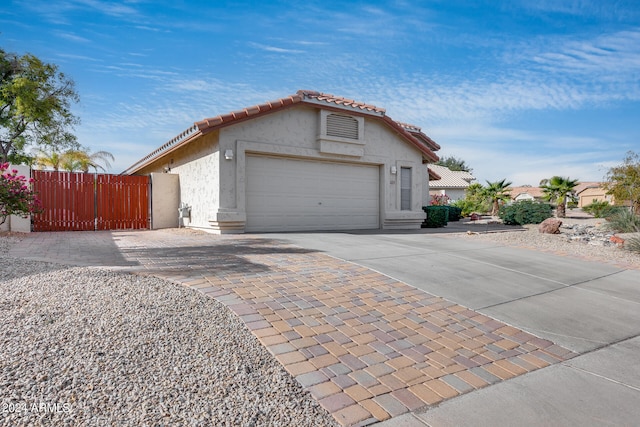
[{"x": 342, "y": 126}]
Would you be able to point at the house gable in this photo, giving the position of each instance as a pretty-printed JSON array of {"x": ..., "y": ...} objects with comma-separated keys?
[{"x": 409, "y": 133}]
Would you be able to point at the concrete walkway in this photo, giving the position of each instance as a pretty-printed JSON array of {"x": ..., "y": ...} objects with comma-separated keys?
[{"x": 370, "y": 347}]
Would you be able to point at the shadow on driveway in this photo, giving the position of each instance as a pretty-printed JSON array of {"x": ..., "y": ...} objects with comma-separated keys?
[
  {"x": 161, "y": 251},
  {"x": 217, "y": 257}
]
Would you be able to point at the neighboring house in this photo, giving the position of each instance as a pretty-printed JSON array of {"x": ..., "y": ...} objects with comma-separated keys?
[
  {"x": 309, "y": 161},
  {"x": 588, "y": 192},
  {"x": 453, "y": 184},
  {"x": 526, "y": 193}
]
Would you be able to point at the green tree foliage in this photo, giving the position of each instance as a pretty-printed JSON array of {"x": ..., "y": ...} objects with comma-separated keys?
[
  {"x": 35, "y": 106},
  {"x": 497, "y": 192},
  {"x": 623, "y": 181},
  {"x": 557, "y": 190},
  {"x": 454, "y": 164},
  {"x": 474, "y": 201}
]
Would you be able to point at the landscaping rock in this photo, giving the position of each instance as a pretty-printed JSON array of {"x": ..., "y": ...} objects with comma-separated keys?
[
  {"x": 550, "y": 226},
  {"x": 617, "y": 240}
]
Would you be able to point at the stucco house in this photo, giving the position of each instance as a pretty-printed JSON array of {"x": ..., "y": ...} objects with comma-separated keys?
[
  {"x": 308, "y": 161},
  {"x": 526, "y": 193},
  {"x": 453, "y": 184},
  {"x": 588, "y": 192}
]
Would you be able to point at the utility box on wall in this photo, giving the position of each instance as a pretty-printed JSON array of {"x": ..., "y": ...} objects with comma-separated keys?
[{"x": 165, "y": 200}]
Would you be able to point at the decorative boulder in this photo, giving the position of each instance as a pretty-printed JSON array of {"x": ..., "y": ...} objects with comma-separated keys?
[
  {"x": 617, "y": 240},
  {"x": 550, "y": 226}
]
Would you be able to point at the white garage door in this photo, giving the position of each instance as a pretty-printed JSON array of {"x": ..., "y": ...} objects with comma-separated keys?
[{"x": 297, "y": 195}]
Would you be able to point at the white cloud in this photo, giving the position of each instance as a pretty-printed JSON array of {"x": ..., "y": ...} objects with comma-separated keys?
[
  {"x": 275, "y": 49},
  {"x": 610, "y": 57},
  {"x": 72, "y": 37}
]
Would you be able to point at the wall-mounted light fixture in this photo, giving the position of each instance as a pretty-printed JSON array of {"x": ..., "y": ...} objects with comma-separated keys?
[
  {"x": 228, "y": 154},
  {"x": 166, "y": 169},
  {"x": 394, "y": 170}
]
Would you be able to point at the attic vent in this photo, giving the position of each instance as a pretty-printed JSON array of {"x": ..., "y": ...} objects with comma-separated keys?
[{"x": 342, "y": 126}]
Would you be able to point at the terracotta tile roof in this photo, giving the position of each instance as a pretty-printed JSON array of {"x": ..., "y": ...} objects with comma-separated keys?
[
  {"x": 410, "y": 133},
  {"x": 432, "y": 175},
  {"x": 535, "y": 192},
  {"x": 449, "y": 178},
  {"x": 330, "y": 99},
  {"x": 584, "y": 185},
  {"x": 417, "y": 132}
]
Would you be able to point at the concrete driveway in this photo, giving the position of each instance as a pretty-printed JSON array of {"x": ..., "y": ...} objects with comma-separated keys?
[
  {"x": 589, "y": 307},
  {"x": 364, "y": 344}
]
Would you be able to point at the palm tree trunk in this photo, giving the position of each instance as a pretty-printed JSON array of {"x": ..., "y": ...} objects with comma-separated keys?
[{"x": 562, "y": 208}]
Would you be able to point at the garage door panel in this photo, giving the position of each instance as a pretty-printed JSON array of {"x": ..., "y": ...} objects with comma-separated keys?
[{"x": 289, "y": 194}]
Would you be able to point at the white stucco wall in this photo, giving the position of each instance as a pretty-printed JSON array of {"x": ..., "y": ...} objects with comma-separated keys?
[
  {"x": 197, "y": 165},
  {"x": 165, "y": 199}
]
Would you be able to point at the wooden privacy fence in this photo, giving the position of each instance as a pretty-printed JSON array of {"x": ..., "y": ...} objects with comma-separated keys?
[{"x": 85, "y": 201}]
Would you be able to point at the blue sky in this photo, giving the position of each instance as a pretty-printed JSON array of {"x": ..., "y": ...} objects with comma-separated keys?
[{"x": 520, "y": 89}]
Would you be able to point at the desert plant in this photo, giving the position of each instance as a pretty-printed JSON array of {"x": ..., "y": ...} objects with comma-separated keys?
[
  {"x": 525, "y": 212},
  {"x": 474, "y": 201},
  {"x": 633, "y": 244},
  {"x": 558, "y": 189},
  {"x": 469, "y": 206},
  {"x": 624, "y": 221},
  {"x": 497, "y": 192},
  {"x": 601, "y": 209}
]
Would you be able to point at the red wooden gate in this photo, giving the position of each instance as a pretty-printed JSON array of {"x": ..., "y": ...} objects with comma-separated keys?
[{"x": 84, "y": 201}]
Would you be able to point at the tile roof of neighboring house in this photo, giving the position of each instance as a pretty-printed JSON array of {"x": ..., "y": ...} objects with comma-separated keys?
[
  {"x": 584, "y": 185},
  {"x": 433, "y": 176},
  {"x": 449, "y": 178},
  {"x": 535, "y": 192},
  {"x": 410, "y": 133}
]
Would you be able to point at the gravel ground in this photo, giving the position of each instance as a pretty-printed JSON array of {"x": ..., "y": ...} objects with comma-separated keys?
[
  {"x": 93, "y": 347},
  {"x": 558, "y": 243}
]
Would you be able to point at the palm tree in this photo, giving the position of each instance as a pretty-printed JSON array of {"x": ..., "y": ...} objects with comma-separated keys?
[
  {"x": 44, "y": 160},
  {"x": 497, "y": 192},
  {"x": 75, "y": 160},
  {"x": 83, "y": 159},
  {"x": 559, "y": 189}
]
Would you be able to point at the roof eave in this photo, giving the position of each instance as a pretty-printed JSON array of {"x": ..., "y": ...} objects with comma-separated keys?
[{"x": 173, "y": 144}]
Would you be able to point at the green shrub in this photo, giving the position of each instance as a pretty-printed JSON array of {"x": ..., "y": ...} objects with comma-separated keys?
[
  {"x": 633, "y": 244},
  {"x": 455, "y": 213},
  {"x": 602, "y": 209},
  {"x": 469, "y": 206},
  {"x": 624, "y": 221},
  {"x": 437, "y": 216},
  {"x": 525, "y": 212}
]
